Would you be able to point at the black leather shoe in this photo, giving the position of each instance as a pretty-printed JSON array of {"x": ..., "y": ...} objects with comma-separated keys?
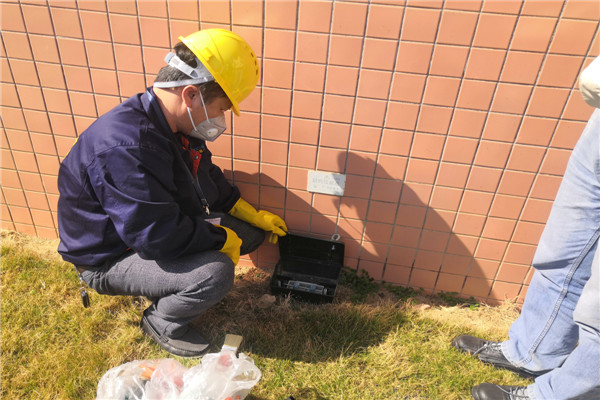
[
  {"x": 487, "y": 391},
  {"x": 190, "y": 344},
  {"x": 489, "y": 353}
]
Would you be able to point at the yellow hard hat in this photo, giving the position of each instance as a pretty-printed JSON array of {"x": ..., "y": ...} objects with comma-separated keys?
[{"x": 229, "y": 59}]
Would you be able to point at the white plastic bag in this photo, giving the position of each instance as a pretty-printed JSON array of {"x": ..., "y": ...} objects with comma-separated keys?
[
  {"x": 220, "y": 376},
  {"x": 143, "y": 380}
]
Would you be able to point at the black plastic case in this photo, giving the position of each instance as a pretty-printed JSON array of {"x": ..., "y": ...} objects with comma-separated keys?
[{"x": 308, "y": 268}]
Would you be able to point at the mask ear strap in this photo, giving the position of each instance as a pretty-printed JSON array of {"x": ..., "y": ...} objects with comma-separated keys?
[{"x": 203, "y": 104}]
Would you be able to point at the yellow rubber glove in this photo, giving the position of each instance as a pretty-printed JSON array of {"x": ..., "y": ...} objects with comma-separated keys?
[
  {"x": 261, "y": 219},
  {"x": 231, "y": 248}
]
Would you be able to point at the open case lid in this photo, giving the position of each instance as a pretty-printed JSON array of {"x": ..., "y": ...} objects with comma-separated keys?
[
  {"x": 310, "y": 256},
  {"x": 308, "y": 268}
]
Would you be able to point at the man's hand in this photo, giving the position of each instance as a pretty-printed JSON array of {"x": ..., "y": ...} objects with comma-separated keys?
[
  {"x": 272, "y": 223},
  {"x": 264, "y": 220}
]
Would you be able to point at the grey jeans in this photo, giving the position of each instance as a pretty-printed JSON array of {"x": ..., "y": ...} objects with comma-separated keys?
[{"x": 183, "y": 288}]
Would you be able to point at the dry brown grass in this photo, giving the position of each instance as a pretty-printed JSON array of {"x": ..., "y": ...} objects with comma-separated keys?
[
  {"x": 45, "y": 248},
  {"x": 380, "y": 348},
  {"x": 252, "y": 284}
]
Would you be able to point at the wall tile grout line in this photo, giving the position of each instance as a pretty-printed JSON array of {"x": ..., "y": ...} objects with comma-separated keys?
[
  {"x": 17, "y": 167},
  {"x": 322, "y": 108},
  {"x": 506, "y": 250},
  {"x": 138, "y": 19},
  {"x": 412, "y": 144},
  {"x": 472, "y": 261},
  {"x": 538, "y": 172},
  {"x": 503, "y": 258},
  {"x": 452, "y": 121},
  {"x": 352, "y": 124},
  {"x": 87, "y": 62},
  {"x": 380, "y": 147},
  {"x": 321, "y": 116},
  {"x": 460, "y": 86},
  {"x": 289, "y": 141},
  {"x": 28, "y": 130}
]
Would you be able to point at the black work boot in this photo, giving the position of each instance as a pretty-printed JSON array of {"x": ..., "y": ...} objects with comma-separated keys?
[
  {"x": 487, "y": 391},
  {"x": 190, "y": 344},
  {"x": 489, "y": 353}
]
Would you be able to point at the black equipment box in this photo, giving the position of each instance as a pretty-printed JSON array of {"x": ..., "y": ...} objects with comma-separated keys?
[{"x": 308, "y": 268}]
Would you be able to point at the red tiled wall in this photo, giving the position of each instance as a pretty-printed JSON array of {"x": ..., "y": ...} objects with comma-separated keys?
[{"x": 452, "y": 120}]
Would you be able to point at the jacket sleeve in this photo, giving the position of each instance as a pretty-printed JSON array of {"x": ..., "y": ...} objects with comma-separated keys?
[{"x": 135, "y": 186}]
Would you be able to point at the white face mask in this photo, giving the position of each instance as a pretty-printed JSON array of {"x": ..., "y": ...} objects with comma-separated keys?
[{"x": 210, "y": 128}]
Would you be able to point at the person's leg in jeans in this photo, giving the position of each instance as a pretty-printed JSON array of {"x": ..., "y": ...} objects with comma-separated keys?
[
  {"x": 579, "y": 376},
  {"x": 545, "y": 333}
]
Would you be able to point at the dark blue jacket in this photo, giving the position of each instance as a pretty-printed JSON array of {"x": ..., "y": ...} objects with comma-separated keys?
[{"x": 124, "y": 185}]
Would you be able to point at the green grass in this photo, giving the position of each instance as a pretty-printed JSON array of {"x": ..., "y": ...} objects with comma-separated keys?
[{"x": 371, "y": 343}]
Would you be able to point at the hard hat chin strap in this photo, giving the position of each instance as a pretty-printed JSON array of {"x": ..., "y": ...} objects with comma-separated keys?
[{"x": 198, "y": 75}]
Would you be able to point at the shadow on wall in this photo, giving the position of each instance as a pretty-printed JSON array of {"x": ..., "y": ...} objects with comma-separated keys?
[
  {"x": 386, "y": 226},
  {"x": 389, "y": 232}
]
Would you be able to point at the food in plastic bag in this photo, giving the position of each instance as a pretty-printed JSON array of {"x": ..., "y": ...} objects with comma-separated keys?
[{"x": 220, "y": 376}]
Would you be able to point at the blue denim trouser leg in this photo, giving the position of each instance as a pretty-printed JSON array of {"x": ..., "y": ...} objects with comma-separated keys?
[
  {"x": 183, "y": 288},
  {"x": 545, "y": 333},
  {"x": 582, "y": 366}
]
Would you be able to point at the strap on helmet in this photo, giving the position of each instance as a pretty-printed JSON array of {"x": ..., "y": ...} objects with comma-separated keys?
[{"x": 198, "y": 75}]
